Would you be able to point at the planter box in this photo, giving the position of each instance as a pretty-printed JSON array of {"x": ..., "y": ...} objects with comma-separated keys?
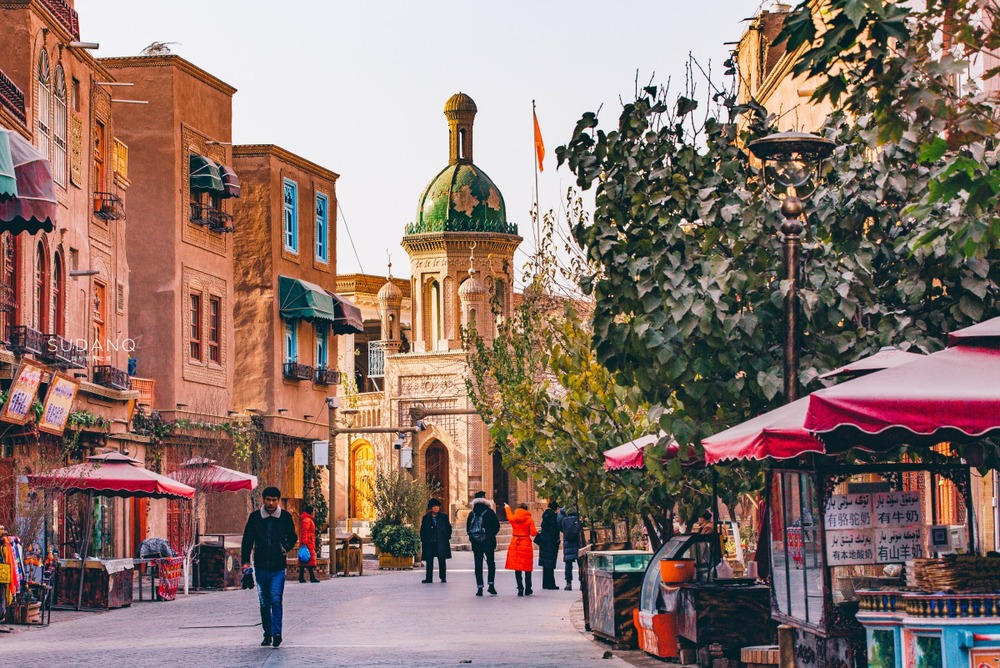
[{"x": 392, "y": 562}]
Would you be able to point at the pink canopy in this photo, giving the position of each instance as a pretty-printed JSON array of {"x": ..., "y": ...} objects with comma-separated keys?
[
  {"x": 35, "y": 205},
  {"x": 630, "y": 455},
  {"x": 111, "y": 474},
  {"x": 953, "y": 394},
  {"x": 777, "y": 434},
  {"x": 207, "y": 475},
  {"x": 780, "y": 434}
]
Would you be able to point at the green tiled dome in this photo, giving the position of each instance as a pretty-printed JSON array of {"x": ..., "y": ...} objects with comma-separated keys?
[{"x": 461, "y": 198}]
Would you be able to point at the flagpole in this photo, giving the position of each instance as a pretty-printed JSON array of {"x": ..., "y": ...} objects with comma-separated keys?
[{"x": 534, "y": 159}]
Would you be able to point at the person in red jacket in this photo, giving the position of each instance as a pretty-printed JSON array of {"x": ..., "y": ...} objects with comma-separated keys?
[
  {"x": 520, "y": 553},
  {"x": 307, "y": 537}
]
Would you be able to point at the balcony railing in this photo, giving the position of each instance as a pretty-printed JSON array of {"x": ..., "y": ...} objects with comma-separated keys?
[
  {"x": 12, "y": 98},
  {"x": 146, "y": 388},
  {"x": 200, "y": 213},
  {"x": 296, "y": 371},
  {"x": 120, "y": 158},
  {"x": 376, "y": 357},
  {"x": 24, "y": 339},
  {"x": 108, "y": 206},
  {"x": 112, "y": 377},
  {"x": 220, "y": 221},
  {"x": 325, "y": 376},
  {"x": 63, "y": 353}
]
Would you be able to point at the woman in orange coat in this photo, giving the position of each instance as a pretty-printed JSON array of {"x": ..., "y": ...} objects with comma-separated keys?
[
  {"x": 307, "y": 537},
  {"x": 520, "y": 553}
]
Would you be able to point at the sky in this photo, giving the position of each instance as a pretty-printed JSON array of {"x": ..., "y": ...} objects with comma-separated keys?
[{"x": 359, "y": 87}]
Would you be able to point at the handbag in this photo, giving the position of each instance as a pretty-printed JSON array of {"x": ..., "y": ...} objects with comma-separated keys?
[
  {"x": 305, "y": 556},
  {"x": 538, "y": 539}
]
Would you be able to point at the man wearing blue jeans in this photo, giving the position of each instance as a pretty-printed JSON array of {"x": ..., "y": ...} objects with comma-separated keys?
[{"x": 269, "y": 534}]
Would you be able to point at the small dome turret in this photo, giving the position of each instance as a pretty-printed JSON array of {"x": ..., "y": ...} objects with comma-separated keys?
[
  {"x": 472, "y": 289},
  {"x": 390, "y": 294}
]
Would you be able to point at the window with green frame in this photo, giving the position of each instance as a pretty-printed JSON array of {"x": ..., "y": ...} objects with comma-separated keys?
[
  {"x": 322, "y": 227},
  {"x": 291, "y": 216}
]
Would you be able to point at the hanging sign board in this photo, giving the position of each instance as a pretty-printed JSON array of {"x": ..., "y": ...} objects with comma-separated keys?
[
  {"x": 848, "y": 511},
  {"x": 58, "y": 404},
  {"x": 23, "y": 391}
]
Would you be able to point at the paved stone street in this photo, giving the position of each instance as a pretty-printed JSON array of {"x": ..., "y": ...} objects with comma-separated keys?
[{"x": 385, "y": 619}]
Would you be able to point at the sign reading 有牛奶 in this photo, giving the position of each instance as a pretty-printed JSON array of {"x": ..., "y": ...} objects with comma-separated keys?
[{"x": 878, "y": 528}]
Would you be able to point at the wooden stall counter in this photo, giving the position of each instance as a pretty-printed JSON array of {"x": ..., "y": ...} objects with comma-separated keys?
[{"x": 106, "y": 583}]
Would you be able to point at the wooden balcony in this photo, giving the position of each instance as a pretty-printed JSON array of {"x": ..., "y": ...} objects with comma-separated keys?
[
  {"x": 325, "y": 376},
  {"x": 296, "y": 371},
  {"x": 12, "y": 98},
  {"x": 146, "y": 388},
  {"x": 64, "y": 354},
  {"x": 112, "y": 377},
  {"x": 24, "y": 339}
]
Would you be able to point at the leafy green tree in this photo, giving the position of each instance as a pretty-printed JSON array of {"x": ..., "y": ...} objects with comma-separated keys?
[
  {"x": 685, "y": 257},
  {"x": 907, "y": 66}
]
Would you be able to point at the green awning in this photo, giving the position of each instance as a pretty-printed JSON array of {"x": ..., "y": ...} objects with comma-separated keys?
[
  {"x": 8, "y": 179},
  {"x": 305, "y": 300},
  {"x": 205, "y": 175}
]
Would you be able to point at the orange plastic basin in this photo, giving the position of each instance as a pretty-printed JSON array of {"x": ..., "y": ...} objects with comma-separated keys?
[{"x": 677, "y": 570}]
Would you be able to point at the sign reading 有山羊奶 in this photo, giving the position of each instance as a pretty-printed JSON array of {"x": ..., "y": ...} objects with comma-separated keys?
[
  {"x": 23, "y": 391},
  {"x": 848, "y": 511},
  {"x": 58, "y": 404},
  {"x": 893, "y": 545}
]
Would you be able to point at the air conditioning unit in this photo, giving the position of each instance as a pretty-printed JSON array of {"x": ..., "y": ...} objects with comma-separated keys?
[{"x": 959, "y": 538}]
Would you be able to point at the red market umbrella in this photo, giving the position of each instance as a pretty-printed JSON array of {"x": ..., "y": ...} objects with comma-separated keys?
[
  {"x": 110, "y": 474},
  {"x": 951, "y": 395},
  {"x": 34, "y": 207},
  {"x": 780, "y": 434},
  {"x": 886, "y": 358},
  {"x": 630, "y": 455},
  {"x": 207, "y": 475}
]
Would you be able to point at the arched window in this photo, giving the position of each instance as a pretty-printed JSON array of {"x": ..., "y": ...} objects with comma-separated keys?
[
  {"x": 8, "y": 283},
  {"x": 43, "y": 103},
  {"x": 461, "y": 143},
  {"x": 41, "y": 289},
  {"x": 434, "y": 315},
  {"x": 59, "y": 128},
  {"x": 58, "y": 295}
]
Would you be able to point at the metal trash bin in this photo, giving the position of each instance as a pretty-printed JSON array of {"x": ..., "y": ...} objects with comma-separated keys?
[{"x": 349, "y": 557}]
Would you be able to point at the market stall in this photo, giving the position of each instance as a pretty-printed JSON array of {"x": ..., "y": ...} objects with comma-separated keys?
[
  {"x": 110, "y": 474},
  {"x": 860, "y": 569}
]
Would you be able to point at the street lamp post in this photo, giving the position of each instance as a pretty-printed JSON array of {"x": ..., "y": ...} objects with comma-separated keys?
[{"x": 791, "y": 166}]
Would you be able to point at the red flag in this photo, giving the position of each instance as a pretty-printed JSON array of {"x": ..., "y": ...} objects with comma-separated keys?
[{"x": 539, "y": 144}]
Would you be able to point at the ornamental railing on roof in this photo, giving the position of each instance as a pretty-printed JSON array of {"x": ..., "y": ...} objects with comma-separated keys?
[
  {"x": 12, "y": 98},
  {"x": 470, "y": 226},
  {"x": 65, "y": 14}
]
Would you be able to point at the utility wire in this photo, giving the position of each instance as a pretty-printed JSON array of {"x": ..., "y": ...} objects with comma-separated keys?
[{"x": 349, "y": 237}]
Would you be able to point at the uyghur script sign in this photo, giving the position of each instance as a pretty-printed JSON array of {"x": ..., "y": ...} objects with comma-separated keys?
[
  {"x": 58, "y": 404},
  {"x": 23, "y": 391},
  {"x": 879, "y": 528}
]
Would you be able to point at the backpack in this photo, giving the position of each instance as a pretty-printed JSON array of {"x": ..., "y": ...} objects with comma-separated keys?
[
  {"x": 571, "y": 527},
  {"x": 477, "y": 530}
]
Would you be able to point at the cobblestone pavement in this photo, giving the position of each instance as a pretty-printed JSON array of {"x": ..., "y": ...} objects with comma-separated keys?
[{"x": 386, "y": 620}]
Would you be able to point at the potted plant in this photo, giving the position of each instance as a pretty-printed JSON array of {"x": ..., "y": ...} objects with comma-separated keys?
[{"x": 398, "y": 501}]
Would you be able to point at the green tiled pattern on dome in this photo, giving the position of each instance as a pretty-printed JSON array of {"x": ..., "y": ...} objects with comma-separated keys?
[{"x": 461, "y": 198}]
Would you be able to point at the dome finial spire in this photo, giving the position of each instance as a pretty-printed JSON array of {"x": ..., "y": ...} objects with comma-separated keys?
[
  {"x": 390, "y": 264},
  {"x": 472, "y": 259},
  {"x": 460, "y": 111}
]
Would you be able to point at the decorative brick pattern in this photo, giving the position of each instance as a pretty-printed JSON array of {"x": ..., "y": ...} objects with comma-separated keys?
[{"x": 209, "y": 286}]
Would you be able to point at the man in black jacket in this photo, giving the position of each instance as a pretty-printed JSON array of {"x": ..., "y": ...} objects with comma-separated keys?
[
  {"x": 483, "y": 526},
  {"x": 269, "y": 534}
]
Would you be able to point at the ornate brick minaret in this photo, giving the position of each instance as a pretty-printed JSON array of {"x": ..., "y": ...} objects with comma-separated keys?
[{"x": 460, "y": 111}]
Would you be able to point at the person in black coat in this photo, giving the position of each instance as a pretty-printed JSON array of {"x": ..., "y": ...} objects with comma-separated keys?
[
  {"x": 482, "y": 526},
  {"x": 572, "y": 530},
  {"x": 548, "y": 546},
  {"x": 269, "y": 535},
  {"x": 435, "y": 536}
]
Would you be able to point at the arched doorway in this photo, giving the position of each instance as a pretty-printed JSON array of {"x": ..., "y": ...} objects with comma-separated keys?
[
  {"x": 436, "y": 471},
  {"x": 362, "y": 476},
  {"x": 501, "y": 483}
]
